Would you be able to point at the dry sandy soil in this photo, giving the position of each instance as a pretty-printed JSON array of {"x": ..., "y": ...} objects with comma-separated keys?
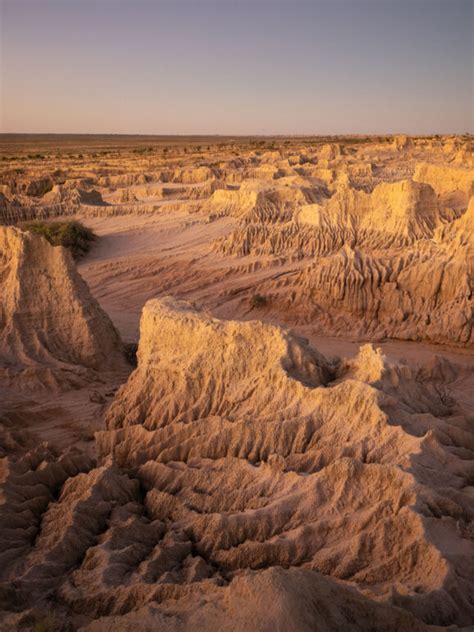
[{"x": 294, "y": 447}]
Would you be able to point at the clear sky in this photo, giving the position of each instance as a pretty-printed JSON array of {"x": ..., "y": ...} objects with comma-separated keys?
[{"x": 237, "y": 66}]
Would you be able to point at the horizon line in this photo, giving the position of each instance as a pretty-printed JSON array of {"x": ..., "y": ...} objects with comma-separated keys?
[{"x": 240, "y": 135}]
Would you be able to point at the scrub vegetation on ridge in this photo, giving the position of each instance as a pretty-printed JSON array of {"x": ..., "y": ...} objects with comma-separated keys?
[{"x": 73, "y": 235}]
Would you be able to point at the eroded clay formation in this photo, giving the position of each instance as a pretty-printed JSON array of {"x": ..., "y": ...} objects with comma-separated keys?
[
  {"x": 240, "y": 478},
  {"x": 50, "y": 325},
  {"x": 368, "y": 240}
]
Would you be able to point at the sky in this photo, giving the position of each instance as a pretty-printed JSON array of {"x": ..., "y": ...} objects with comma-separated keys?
[{"x": 237, "y": 66}]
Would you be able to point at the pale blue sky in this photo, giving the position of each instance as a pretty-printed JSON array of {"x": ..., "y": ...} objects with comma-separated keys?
[{"x": 237, "y": 67}]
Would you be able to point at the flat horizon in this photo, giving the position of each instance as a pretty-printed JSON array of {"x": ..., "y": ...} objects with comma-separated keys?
[{"x": 242, "y": 135}]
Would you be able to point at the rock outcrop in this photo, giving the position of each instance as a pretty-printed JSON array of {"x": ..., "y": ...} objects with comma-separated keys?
[
  {"x": 425, "y": 294},
  {"x": 453, "y": 185},
  {"x": 243, "y": 472},
  {"x": 260, "y": 453},
  {"x": 50, "y": 325}
]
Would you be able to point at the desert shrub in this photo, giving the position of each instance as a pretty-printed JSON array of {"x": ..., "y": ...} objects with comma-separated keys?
[
  {"x": 47, "y": 623},
  {"x": 444, "y": 394},
  {"x": 131, "y": 349},
  {"x": 258, "y": 300},
  {"x": 70, "y": 234}
]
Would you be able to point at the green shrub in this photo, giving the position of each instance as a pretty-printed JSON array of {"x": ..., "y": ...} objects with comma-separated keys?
[
  {"x": 258, "y": 300},
  {"x": 70, "y": 234}
]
